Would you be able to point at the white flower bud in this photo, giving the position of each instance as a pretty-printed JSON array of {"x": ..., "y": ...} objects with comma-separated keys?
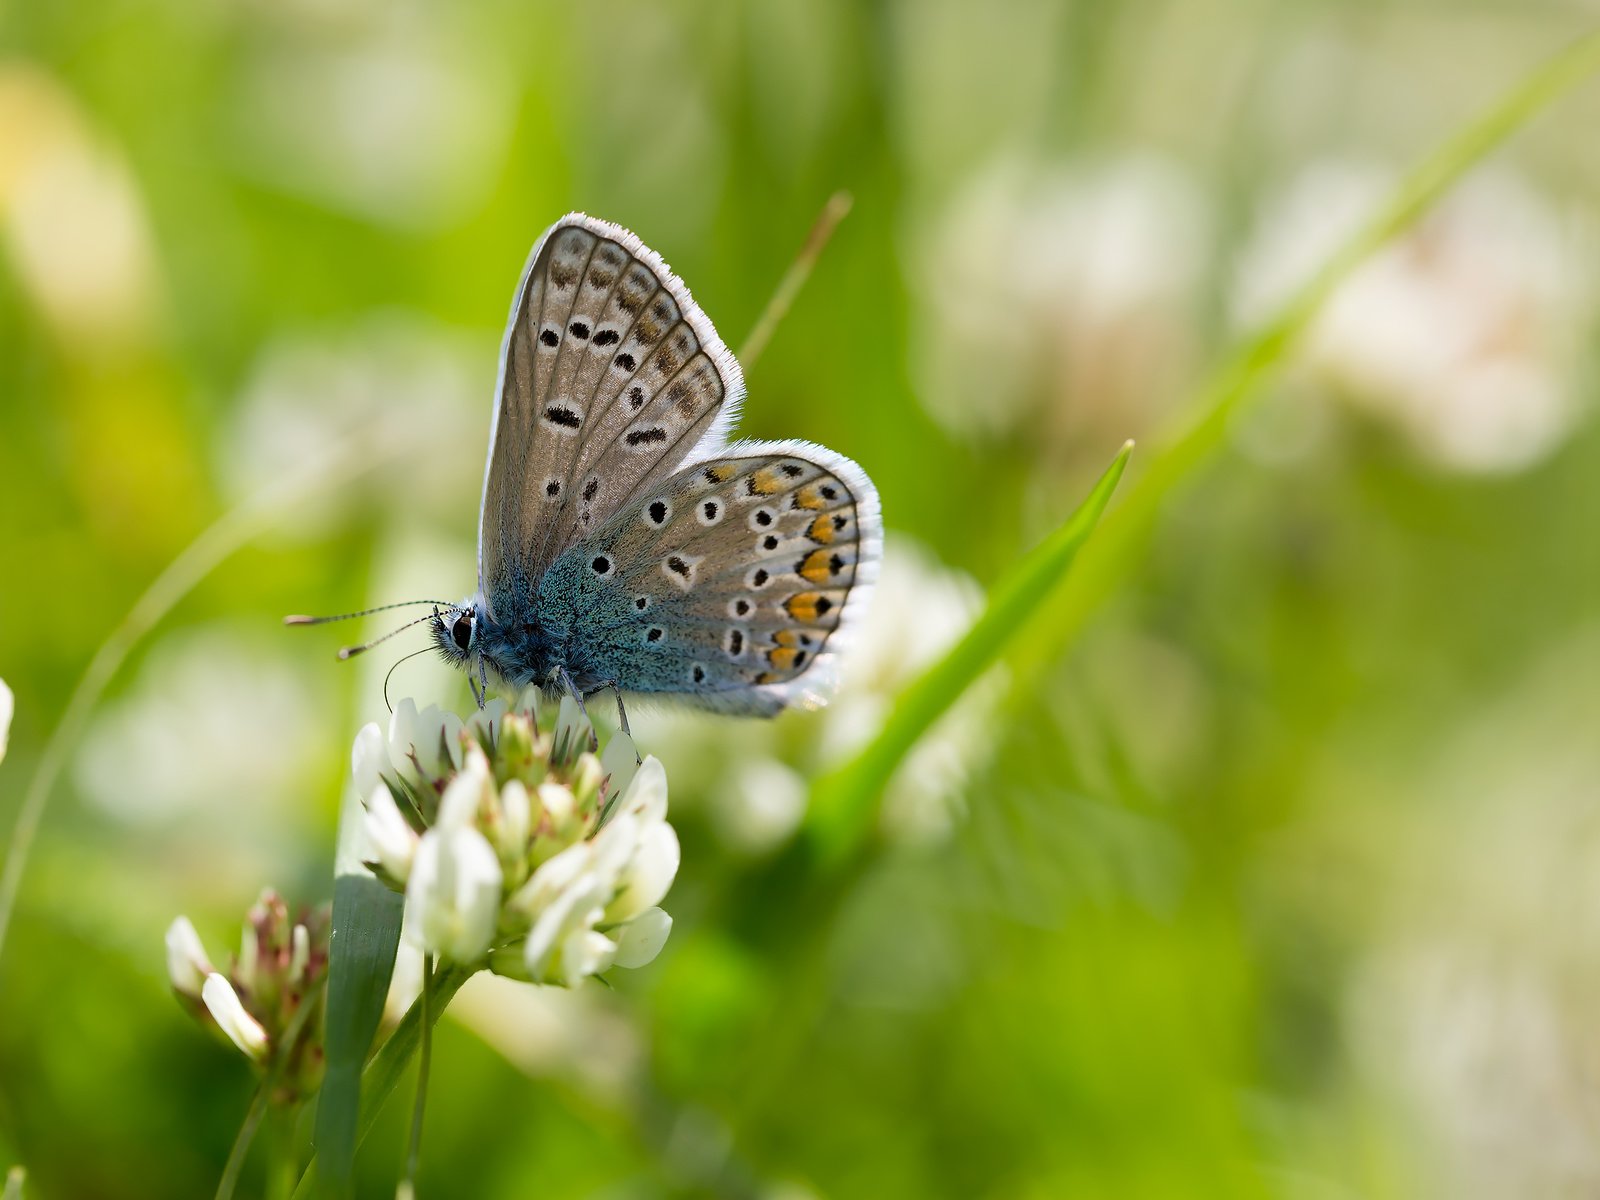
[
  {"x": 299, "y": 953},
  {"x": 453, "y": 895},
  {"x": 390, "y": 840},
  {"x": 557, "y": 802},
  {"x": 187, "y": 964},
  {"x": 516, "y": 819},
  {"x": 243, "y": 1030},
  {"x": 249, "y": 957},
  {"x": 468, "y": 794},
  {"x": 641, "y": 939}
]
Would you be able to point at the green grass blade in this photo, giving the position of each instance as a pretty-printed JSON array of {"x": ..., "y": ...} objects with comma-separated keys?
[
  {"x": 844, "y": 803},
  {"x": 348, "y": 460},
  {"x": 377, "y": 1084},
  {"x": 1240, "y": 378},
  {"x": 366, "y": 934}
]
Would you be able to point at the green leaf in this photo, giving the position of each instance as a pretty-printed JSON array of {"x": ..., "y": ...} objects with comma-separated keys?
[
  {"x": 366, "y": 934},
  {"x": 378, "y": 1083},
  {"x": 844, "y": 803}
]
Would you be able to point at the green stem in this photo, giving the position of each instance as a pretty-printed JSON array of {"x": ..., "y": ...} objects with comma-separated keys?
[
  {"x": 284, "y": 1046},
  {"x": 408, "y": 1183},
  {"x": 388, "y": 1065},
  {"x": 247, "y": 1134},
  {"x": 282, "y": 1171},
  {"x": 794, "y": 278}
]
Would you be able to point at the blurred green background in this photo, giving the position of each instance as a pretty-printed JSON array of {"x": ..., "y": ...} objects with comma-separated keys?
[{"x": 1280, "y": 883}]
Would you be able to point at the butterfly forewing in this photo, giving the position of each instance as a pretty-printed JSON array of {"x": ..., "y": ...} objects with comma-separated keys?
[
  {"x": 611, "y": 376},
  {"x": 729, "y": 582}
]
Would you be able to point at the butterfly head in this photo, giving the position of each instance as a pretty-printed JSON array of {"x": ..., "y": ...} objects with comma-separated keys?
[{"x": 455, "y": 631}]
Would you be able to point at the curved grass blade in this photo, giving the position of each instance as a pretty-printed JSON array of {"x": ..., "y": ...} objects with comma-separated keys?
[
  {"x": 352, "y": 457},
  {"x": 1241, "y": 377},
  {"x": 844, "y": 803}
]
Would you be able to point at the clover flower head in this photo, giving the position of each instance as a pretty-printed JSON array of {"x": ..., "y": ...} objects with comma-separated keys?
[
  {"x": 267, "y": 1003},
  {"x": 516, "y": 846}
]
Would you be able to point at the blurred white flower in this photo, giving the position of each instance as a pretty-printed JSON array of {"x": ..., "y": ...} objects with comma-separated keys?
[
  {"x": 71, "y": 216},
  {"x": 1464, "y": 334},
  {"x": 1055, "y": 298},
  {"x": 544, "y": 873},
  {"x": 179, "y": 747},
  {"x": 8, "y": 706},
  {"x": 760, "y": 803},
  {"x": 400, "y": 119},
  {"x": 187, "y": 964},
  {"x": 1468, "y": 1003},
  {"x": 388, "y": 378},
  {"x": 243, "y": 1030}
]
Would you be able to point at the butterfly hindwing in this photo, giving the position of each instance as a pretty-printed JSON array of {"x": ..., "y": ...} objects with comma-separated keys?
[
  {"x": 727, "y": 584},
  {"x": 610, "y": 377}
]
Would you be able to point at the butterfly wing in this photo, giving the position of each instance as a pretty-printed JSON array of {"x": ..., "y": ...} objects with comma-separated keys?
[
  {"x": 610, "y": 377},
  {"x": 731, "y": 584}
]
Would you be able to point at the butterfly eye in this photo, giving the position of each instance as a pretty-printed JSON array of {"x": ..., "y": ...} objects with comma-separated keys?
[{"x": 461, "y": 631}]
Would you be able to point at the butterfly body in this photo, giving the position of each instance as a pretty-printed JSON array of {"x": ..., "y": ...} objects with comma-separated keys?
[{"x": 623, "y": 542}]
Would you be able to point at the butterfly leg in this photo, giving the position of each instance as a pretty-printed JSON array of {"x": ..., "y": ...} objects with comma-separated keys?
[
  {"x": 567, "y": 682},
  {"x": 622, "y": 713}
]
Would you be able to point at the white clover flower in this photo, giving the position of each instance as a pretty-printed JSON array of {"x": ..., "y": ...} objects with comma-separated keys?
[
  {"x": 453, "y": 894},
  {"x": 1061, "y": 293},
  {"x": 1463, "y": 334},
  {"x": 608, "y": 880},
  {"x": 387, "y": 838},
  {"x": 423, "y": 745},
  {"x": 530, "y": 860},
  {"x": 229, "y": 1012},
  {"x": 260, "y": 1003}
]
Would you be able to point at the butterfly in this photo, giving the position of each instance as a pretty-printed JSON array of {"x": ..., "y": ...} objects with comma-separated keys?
[{"x": 624, "y": 543}]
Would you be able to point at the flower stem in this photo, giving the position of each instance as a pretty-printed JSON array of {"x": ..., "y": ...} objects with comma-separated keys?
[
  {"x": 408, "y": 1183},
  {"x": 283, "y": 1171},
  {"x": 794, "y": 278},
  {"x": 241, "y": 1143},
  {"x": 382, "y": 1074}
]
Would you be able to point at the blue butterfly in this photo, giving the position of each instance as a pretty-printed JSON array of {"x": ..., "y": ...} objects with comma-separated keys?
[{"x": 623, "y": 543}]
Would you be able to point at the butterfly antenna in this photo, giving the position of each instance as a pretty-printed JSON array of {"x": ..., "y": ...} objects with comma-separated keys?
[
  {"x": 299, "y": 619},
  {"x": 397, "y": 662},
  {"x": 352, "y": 651}
]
